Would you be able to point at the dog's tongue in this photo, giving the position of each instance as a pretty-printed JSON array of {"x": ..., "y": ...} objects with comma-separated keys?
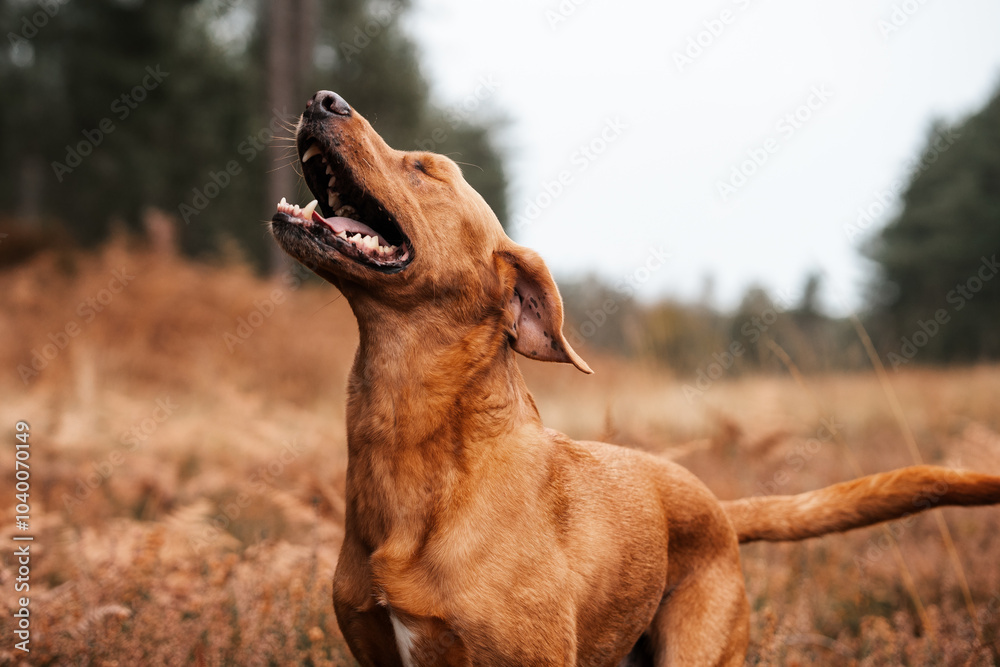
[{"x": 340, "y": 224}]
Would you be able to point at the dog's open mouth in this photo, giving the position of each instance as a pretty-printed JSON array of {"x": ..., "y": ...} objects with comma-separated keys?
[{"x": 344, "y": 217}]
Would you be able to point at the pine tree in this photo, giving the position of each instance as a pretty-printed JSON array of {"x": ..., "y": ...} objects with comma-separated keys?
[{"x": 937, "y": 260}]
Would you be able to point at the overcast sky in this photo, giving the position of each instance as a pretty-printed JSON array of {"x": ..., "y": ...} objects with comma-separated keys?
[{"x": 673, "y": 97}]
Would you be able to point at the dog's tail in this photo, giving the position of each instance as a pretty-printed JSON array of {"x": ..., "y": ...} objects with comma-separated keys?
[{"x": 860, "y": 502}]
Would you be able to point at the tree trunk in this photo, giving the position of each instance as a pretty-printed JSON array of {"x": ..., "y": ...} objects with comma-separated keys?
[{"x": 290, "y": 29}]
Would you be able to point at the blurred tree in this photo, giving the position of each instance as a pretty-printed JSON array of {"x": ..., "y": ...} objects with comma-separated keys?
[
  {"x": 680, "y": 336},
  {"x": 696, "y": 340},
  {"x": 752, "y": 325},
  {"x": 940, "y": 292},
  {"x": 597, "y": 315},
  {"x": 290, "y": 37},
  {"x": 809, "y": 303},
  {"x": 116, "y": 106}
]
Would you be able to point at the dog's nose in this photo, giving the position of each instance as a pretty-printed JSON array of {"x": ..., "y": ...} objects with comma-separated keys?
[{"x": 326, "y": 104}]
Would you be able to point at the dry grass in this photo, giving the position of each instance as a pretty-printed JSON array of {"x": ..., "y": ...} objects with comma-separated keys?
[{"x": 213, "y": 540}]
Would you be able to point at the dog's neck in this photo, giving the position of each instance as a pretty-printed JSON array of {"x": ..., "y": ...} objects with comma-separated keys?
[{"x": 428, "y": 405}]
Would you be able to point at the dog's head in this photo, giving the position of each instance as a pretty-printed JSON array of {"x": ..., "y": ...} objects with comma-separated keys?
[{"x": 402, "y": 229}]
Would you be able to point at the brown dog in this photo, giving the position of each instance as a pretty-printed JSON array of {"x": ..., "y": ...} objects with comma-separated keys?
[{"x": 474, "y": 535}]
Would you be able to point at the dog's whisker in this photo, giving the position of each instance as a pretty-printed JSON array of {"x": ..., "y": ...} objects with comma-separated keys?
[
  {"x": 334, "y": 300},
  {"x": 470, "y": 164}
]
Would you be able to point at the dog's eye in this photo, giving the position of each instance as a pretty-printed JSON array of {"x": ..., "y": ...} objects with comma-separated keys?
[{"x": 427, "y": 165}]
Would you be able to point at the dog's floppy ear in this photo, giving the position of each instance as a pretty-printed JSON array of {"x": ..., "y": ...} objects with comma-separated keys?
[{"x": 535, "y": 312}]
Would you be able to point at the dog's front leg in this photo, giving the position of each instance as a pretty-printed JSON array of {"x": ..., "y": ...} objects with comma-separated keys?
[{"x": 365, "y": 624}]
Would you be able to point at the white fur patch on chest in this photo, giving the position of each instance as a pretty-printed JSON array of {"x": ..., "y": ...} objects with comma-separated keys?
[{"x": 404, "y": 639}]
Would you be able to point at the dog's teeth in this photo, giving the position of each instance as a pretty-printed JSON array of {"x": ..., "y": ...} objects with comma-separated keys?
[
  {"x": 329, "y": 172},
  {"x": 310, "y": 153},
  {"x": 333, "y": 200},
  {"x": 333, "y": 179},
  {"x": 343, "y": 234},
  {"x": 307, "y": 212},
  {"x": 356, "y": 238},
  {"x": 345, "y": 211},
  {"x": 283, "y": 202}
]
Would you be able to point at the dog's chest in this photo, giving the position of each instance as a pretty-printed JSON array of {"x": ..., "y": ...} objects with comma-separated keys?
[
  {"x": 405, "y": 639},
  {"x": 425, "y": 641}
]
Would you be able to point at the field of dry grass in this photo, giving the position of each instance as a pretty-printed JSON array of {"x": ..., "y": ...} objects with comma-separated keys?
[{"x": 188, "y": 456}]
